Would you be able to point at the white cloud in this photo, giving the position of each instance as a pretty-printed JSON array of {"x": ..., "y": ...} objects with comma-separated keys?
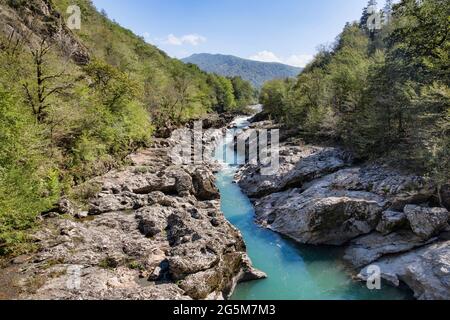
[
  {"x": 147, "y": 37},
  {"x": 191, "y": 39},
  {"x": 174, "y": 41},
  {"x": 299, "y": 60},
  {"x": 265, "y": 56}
]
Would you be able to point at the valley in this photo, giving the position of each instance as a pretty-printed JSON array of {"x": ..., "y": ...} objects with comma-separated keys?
[{"x": 113, "y": 181}]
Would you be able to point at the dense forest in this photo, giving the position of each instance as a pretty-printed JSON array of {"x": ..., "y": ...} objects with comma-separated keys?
[
  {"x": 66, "y": 118},
  {"x": 254, "y": 71},
  {"x": 381, "y": 92}
]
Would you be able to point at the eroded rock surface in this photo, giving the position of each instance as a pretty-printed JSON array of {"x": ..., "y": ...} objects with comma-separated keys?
[
  {"x": 298, "y": 165},
  {"x": 391, "y": 221},
  {"x": 155, "y": 231},
  {"x": 382, "y": 215},
  {"x": 318, "y": 198},
  {"x": 426, "y": 271},
  {"x": 32, "y": 21},
  {"x": 426, "y": 222},
  {"x": 337, "y": 207},
  {"x": 369, "y": 248},
  {"x": 320, "y": 215}
]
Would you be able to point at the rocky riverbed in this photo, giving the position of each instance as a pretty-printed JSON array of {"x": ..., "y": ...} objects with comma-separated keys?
[
  {"x": 154, "y": 231},
  {"x": 383, "y": 216}
]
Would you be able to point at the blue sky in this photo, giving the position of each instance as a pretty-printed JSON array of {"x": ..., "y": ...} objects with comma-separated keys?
[{"x": 287, "y": 31}]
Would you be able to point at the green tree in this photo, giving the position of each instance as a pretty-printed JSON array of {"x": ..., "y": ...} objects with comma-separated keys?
[
  {"x": 273, "y": 97},
  {"x": 224, "y": 93},
  {"x": 367, "y": 12},
  {"x": 243, "y": 92},
  {"x": 25, "y": 174},
  {"x": 419, "y": 44}
]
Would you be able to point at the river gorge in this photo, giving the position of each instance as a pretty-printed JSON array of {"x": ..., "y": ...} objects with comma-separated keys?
[
  {"x": 162, "y": 229},
  {"x": 294, "y": 272}
]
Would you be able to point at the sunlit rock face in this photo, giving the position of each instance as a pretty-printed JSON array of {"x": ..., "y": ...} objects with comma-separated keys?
[{"x": 382, "y": 215}]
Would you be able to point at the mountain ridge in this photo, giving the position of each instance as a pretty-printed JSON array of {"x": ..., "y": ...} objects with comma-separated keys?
[{"x": 256, "y": 72}]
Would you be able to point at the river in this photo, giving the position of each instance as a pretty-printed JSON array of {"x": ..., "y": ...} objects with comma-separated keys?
[{"x": 295, "y": 272}]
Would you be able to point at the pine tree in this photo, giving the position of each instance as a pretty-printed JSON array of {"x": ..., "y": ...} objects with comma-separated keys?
[
  {"x": 387, "y": 11},
  {"x": 367, "y": 12}
]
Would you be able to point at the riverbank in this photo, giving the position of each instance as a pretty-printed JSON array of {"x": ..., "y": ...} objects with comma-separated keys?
[
  {"x": 378, "y": 214},
  {"x": 154, "y": 230}
]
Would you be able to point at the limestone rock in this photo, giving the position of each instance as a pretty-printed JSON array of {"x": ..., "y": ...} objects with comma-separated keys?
[
  {"x": 204, "y": 185},
  {"x": 426, "y": 271},
  {"x": 249, "y": 272},
  {"x": 391, "y": 221},
  {"x": 316, "y": 198},
  {"x": 369, "y": 248},
  {"x": 426, "y": 222},
  {"x": 153, "y": 222},
  {"x": 298, "y": 165},
  {"x": 321, "y": 215}
]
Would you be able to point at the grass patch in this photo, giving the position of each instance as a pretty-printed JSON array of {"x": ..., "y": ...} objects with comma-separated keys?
[
  {"x": 108, "y": 263},
  {"x": 136, "y": 265}
]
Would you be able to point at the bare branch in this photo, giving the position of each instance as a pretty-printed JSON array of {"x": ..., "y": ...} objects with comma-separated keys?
[
  {"x": 29, "y": 97},
  {"x": 57, "y": 89}
]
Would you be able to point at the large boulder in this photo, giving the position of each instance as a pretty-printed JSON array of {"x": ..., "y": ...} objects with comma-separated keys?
[
  {"x": 256, "y": 185},
  {"x": 397, "y": 188},
  {"x": 426, "y": 271},
  {"x": 333, "y": 208},
  {"x": 426, "y": 222},
  {"x": 298, "y": 165},
  {"x": 369, "y": 248},
  {"x": 321, "y": 215},
  {"x": 332, "y": 221},
  {"x": 205, "y": 185},
  {"x": 445, "y": 196},
  {"x": 391, "y": 221},
  {"x": 317, "y": 165}
]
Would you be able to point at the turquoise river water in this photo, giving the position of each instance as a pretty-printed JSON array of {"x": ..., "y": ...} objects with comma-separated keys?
[{"x": 294, "y": 272}]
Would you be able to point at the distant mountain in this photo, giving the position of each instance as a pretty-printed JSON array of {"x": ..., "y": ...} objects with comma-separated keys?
[{"x": 254, "y": 71}]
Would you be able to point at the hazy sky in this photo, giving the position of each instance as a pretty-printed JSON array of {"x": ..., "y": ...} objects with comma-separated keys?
[{"x": 287, "y": 31}]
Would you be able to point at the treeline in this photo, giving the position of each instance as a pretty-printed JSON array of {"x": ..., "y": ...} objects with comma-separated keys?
[
  {"x": 379, "y": 92},
  {"x": 62, "y": 123},
  {"x": 232, "y": 94}
]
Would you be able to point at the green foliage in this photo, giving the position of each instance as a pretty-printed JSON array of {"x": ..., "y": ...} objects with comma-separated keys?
[
  {"x": 223, "y": 92},
  {"x": 382, "y": 93},
  {"x": 274, "y": 95},
  {"x": 432, "y": 134},
  {"x": 244, "y": 93},
  {"x": 419, "y": 43},
  {"x": 62, "y": 123},
  {"x": 28, "y": 182}
]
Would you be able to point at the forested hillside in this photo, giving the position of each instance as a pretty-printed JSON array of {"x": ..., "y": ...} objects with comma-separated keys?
[
  {"x": 74, "y": 104},
  {"x": 380, "y": 93},
  {"x": 254, "y": 71}
]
